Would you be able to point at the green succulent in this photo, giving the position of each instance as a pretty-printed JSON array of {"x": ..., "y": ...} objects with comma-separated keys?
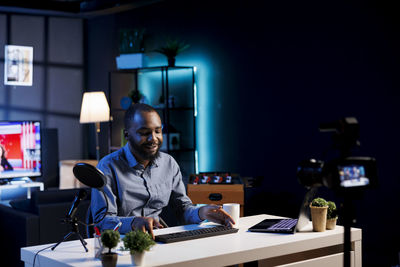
[
  {"x": 110, "y": 239},
  {"x": 137, "y": 241},
  {"x": 332, "y": 211},
  {"x": 319, "y": 202},
  {"x": 135, "y": 95}
]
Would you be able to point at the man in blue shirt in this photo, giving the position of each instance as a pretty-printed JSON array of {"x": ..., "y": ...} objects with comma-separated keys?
[{"x": 141, "y": 180}]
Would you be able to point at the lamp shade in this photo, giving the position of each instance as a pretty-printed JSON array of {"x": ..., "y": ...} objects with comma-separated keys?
[{"x": 94, "y": 108}]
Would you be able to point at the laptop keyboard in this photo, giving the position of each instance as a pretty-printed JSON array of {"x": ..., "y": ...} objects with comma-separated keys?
[
  {"x": 194, "y": 234},
  {"x": 284, "y": 224}
]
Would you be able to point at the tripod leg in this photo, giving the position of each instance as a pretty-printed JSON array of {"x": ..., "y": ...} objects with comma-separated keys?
[
  {"x": 65, "y": 238},
  {"x": 82, "y": 241}
]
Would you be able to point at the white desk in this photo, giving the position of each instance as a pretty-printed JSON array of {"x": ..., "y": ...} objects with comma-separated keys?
[{"x": 304, "y": 248}]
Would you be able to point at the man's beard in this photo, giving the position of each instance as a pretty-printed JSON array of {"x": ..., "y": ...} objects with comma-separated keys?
[{"x": 143, "y": 153}]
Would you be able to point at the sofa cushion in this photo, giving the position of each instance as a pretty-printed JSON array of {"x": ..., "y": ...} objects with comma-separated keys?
[
  {"x": 54, "y": 196},
  {"x": 46, "y": 197},
  {"x": 22, "y": 205}
]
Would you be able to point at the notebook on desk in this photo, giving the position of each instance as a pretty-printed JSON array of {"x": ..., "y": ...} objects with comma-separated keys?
[{"x": 288, "y": 226}]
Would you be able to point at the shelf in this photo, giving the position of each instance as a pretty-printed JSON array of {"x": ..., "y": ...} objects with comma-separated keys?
[
  {"x": 115, "y": 148},
  {"x": 158, "y": 108},
  {"x": 157, "y": 68},
  {"x": 182, "y": 150}
]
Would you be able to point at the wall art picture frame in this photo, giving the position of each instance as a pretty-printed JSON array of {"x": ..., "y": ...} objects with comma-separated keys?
[{"x": 18, "y": 65}]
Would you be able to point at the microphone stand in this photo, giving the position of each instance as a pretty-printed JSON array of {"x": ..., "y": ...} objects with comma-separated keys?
[{"x": 73, "y": 222}]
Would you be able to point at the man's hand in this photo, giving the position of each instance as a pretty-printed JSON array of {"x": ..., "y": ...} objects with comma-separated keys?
[
  {"x": 215, "y": 213},
  {"x": 145, "y": 224}
]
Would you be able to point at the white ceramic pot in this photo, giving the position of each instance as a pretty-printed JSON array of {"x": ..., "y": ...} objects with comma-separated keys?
[{"x": 137, "y": 258}]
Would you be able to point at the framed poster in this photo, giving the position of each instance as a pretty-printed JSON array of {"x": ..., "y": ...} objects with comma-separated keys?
[{"x": 18, "y": 68}]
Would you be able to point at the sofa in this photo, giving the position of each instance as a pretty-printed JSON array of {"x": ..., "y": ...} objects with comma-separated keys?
[{"x": 38, "y": 220}]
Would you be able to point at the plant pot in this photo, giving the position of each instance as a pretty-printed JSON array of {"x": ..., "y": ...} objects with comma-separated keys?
[
  {"x": 318, "y": 217},
  {"x": 171, "y": 62},
  {"x": 137, "y": 258},
  {"x": 109, "y": 259},
  {"x": 331, "y": 224}
]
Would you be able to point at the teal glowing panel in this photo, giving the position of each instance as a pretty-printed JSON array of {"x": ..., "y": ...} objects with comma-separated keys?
[
  {"x": 204, "y": 104},
  {"x": 149, "y": 84}
]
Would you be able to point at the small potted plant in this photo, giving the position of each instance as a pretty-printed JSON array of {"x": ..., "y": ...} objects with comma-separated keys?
[
  {"x": 137, "y": 242},
  {"x": 135, "y": 95},
  {"x": 331, "y": 216},
  {"x": 319, "y": 210},
  {"x": 109, "y": 239},
  {"x": 171, "y": 49}
]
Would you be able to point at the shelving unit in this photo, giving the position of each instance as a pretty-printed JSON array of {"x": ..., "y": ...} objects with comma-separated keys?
[{"x": 171, "y": 91}]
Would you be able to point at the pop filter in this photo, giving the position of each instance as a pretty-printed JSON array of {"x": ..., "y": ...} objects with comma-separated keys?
[{"x": 89, "y": 175}]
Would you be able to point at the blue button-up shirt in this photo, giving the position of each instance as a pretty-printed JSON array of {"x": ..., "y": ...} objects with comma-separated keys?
[{"x": 133, "y": 190}]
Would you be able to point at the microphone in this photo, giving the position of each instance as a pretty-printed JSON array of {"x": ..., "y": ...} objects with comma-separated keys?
[
  {"x": 89, "y": 175},
  {"x": 92, "y": 177},
  {"x": 80, "y": 196}
]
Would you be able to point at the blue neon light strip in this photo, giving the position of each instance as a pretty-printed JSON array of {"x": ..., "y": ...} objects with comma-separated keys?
[{"x": 204, "y": 103}]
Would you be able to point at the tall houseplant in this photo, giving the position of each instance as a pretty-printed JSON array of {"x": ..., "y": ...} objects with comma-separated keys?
[
  {"x": 171, "y": 49},
  {"x": 109, "y": 239},
  {"x": 137, "y": 242}
]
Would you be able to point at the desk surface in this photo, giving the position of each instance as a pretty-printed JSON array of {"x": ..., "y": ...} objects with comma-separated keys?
[{"x": 224, "y": 250}]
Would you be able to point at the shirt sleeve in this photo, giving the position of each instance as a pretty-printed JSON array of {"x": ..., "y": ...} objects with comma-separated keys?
[
  {"x": 182, "y": 202},
  {"x": 100, "y": 201}
]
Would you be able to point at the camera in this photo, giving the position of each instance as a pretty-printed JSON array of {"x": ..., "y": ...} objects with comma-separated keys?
[{"x": 344, "y": 172}]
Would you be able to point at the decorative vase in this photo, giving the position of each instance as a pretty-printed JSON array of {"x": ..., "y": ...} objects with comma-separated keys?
[
  {"x": 137, "y": 258},
  {"x": 109, "y": 259},
  {"x": 318, "y": 217},
  {"x": 331, "y": 223}
]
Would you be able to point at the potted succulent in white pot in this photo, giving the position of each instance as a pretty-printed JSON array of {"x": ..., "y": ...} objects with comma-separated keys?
[
  {"x": 138, "y": 242},
  {"x": 109, "y": 239},
  {"x": 331, "y": 216},
  {"x": 319, "y": 210}
]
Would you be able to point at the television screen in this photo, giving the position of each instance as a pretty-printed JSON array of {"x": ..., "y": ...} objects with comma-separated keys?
[{"x": 20, "y": 149}]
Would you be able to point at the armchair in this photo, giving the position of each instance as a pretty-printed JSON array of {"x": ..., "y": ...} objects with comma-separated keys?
[{"x": 37, "y": 221}]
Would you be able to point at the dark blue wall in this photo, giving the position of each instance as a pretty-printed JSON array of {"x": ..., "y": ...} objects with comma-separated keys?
[{"x": 279, "y": 69}]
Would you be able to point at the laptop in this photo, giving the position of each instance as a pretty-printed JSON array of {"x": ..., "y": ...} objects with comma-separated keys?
[{"x": 287, "y": 226}]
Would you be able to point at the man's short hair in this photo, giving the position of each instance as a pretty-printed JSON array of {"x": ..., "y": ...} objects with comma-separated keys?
[{"x": 133, "y": 109}]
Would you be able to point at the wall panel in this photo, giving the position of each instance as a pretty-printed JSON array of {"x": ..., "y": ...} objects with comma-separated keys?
[
  {"x": 29, "y": 31},
  {"x": 30, "y": 96},
  {"x": 69, "y": 136},
  {"x": 65, "y": 89},
  {"x": 65, "y": 40}
]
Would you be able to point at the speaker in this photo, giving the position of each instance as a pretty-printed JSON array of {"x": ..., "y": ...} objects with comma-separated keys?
[{"x": 50, "y": 158}]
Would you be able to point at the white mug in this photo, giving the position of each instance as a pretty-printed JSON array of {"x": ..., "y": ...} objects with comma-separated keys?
[{"x": 233, "y": 209}]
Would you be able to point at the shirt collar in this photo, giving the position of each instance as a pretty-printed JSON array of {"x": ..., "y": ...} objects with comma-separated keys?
[{"x": 132, "y": 160}]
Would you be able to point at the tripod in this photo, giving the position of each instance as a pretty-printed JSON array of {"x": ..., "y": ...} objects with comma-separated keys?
[{"x": 73, "y": 222}]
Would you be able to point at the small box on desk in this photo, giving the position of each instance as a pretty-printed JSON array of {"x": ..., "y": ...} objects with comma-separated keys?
[{"x": 217, "y": 194}]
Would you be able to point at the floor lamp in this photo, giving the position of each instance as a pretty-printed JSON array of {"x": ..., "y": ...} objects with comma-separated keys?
[{"x": 95, "y": 109}]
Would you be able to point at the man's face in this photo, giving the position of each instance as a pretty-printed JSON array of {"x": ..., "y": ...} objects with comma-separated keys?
[{"x": 145, "y": 135}]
